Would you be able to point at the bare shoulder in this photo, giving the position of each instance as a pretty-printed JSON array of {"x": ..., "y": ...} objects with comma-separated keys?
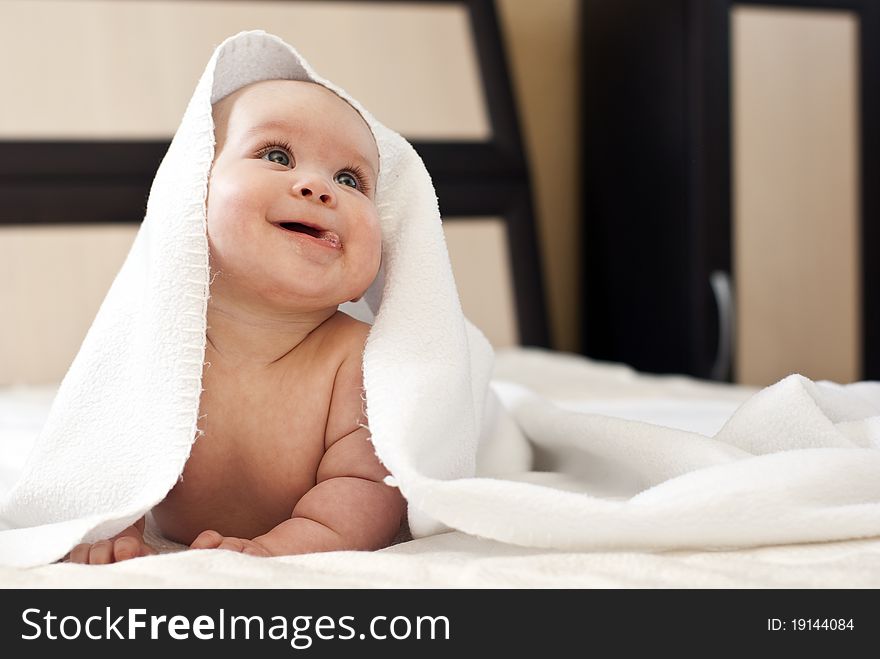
[
  {"x": 347, "y": 405},
  {"x": 343, "y": 335},
  {"x": 352, "y": 328},
  {"x": 338, "y": 340}
]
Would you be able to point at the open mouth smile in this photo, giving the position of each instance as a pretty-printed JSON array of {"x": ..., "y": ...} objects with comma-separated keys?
[{"x": 328, "y": 238}]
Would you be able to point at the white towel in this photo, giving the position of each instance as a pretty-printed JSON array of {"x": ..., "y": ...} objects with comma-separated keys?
[{"x": 799, "y": 462}]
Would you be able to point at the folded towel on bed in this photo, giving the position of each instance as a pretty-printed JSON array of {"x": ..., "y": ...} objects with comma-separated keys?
[{"x": 798, "y": 462}]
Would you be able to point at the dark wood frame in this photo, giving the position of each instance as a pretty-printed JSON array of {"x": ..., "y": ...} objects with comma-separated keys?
[
  {"x": 108, "y": 181},
  {"x": 657, "y": 154}
]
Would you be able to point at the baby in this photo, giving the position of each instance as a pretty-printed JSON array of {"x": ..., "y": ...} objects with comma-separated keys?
[{"x": 285, "y": 465}]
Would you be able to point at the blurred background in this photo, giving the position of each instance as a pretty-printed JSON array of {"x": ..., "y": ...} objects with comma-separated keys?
[{"x": 681, "y": 185}]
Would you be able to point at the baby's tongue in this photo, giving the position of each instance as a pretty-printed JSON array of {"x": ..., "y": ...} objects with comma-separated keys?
[{"x": 330, "y": 237}]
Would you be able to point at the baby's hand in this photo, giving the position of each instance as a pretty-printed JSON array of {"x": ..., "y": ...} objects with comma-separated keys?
[
  {"x": 213, "y": 540},
  {"x": 127, "y": 544}
]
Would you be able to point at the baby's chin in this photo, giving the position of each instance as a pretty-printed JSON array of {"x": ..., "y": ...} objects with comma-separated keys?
[
  {"x": 266, "y": 301},
  {"x": 292, "y": 293},
  {"x": 295, "y": 302},
  {"x": 298, "y": 299}
]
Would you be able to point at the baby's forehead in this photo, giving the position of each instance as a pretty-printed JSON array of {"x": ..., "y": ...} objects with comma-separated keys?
[
  {"x": 290, "y": 87},
  {"x": 269, "y": 102},
  {"x": 276, "y": 95}
]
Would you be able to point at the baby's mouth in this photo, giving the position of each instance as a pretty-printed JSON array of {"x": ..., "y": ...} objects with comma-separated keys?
[{"x": 296, "y": 227}]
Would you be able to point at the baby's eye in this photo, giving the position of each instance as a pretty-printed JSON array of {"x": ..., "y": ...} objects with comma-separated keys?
[
  {"x": 347, "y": 178},
  {"x": 277, "y": 156}
]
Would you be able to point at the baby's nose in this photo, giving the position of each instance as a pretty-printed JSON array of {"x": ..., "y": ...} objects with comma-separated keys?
[{"x": 315, "y": 190}]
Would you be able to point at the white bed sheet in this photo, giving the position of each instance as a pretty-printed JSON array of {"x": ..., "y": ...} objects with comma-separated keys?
[{"x": 457, "y": 560}]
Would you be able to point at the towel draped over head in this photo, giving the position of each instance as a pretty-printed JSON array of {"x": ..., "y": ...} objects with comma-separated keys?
[
  {"x": 797, "y": 463},
  {"x": 126, "y": 415}
]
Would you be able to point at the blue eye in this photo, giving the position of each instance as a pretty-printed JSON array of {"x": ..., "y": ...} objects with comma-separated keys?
[
  {"x": 277, "y": 156},
  {"x": 347, "y": 178}
]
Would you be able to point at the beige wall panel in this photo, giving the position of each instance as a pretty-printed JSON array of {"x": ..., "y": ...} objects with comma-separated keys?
[
  {"x": 93, "y": 68},
  {"x": 479, "y": 253},
  {"x": 796, "y": 214},
  {"x": 542, "y": 45},
  {"x": 54, "y": 279}
]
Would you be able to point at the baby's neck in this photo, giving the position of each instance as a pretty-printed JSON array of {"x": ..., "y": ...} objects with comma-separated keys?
[{"x": 249, "y": 338}]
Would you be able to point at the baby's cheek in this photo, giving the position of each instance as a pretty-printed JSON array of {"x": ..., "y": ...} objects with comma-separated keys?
[
  {"x": 229, "y": 210},
  {"x": 228, "y": 237},
  {"x": 368, "y": 266},
  {"x": 376, "y": 252}
]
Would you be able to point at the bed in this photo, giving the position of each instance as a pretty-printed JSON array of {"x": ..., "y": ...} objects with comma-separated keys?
[{"x": 458, "y": 560}]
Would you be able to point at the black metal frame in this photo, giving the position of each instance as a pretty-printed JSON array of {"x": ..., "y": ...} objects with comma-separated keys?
[
  {"x": 108, "y": 181},
  {"x": 657, "y": 153}
]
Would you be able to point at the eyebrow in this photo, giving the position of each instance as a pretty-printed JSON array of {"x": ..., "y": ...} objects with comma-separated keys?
[
  {"x": 273, "y": 124},
  {"x": 278, "y": 125}
]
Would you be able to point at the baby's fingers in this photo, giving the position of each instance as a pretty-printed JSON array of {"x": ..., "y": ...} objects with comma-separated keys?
[
  {"x": 244, "y": 546},
  {"x": 232, "y": 544},
  {"x": 101, "y": 553},
  {"x": 207, "y": 540},
  {"x": 80, "y": 553},
  {"x": 128, "y": 547},
  {"x": 109, "y": 551}
]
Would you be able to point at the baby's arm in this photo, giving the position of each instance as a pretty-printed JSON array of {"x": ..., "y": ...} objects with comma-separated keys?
[
  {"x": 129, "y": 543},
  {"x": 349, "y": 507}
]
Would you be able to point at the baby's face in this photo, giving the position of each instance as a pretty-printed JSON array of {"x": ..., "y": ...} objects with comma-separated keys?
[{"x": 291, "y": 212}]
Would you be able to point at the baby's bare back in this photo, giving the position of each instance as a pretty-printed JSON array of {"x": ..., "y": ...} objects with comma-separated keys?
[{"x": 264, "y": 437}]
